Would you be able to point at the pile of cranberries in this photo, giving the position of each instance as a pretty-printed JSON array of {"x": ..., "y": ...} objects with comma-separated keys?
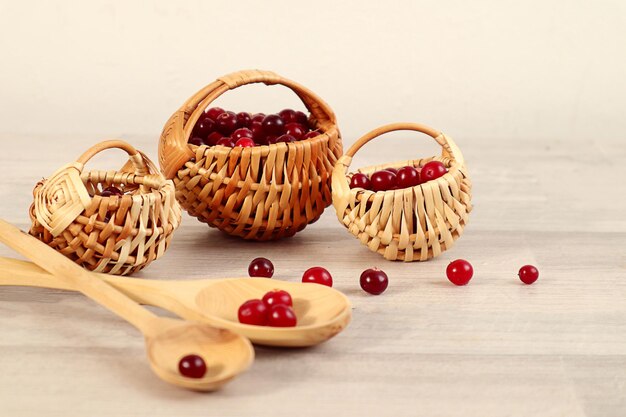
[
  {"x": 395, "y": 179},
  {"x": 275, "y": 309},
  {"x": 217, "y": 126}
]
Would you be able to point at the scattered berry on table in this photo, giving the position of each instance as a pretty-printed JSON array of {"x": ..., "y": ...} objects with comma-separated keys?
[
  {"x": 374, "y": 281},
  {"x": 528, "y": 274},
  {"x": 261, "y": 267},
  {"x": 318, "y": 275},
  {"x": 459, "y": 272}
]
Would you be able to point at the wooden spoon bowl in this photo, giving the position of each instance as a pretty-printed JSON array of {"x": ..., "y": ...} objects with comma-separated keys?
[
  {"x": 225, "y": 354},
  {"x": 321, "y": 311}
]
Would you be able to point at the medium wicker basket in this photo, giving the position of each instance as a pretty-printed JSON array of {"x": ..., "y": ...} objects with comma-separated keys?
[
  {"x": 114, "y": 234},
  {"x": 260, "y": 193},
  {"x": 411, "y": 224}
]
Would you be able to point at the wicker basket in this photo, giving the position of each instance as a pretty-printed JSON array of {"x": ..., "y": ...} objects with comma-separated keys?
[
  {"x": 115, "y": 234},
  {"x": 263, "y": 192},
  {"x": 411, "y": 224}
]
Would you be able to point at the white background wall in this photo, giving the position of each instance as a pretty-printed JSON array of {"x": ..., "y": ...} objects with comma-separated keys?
[{"x": 507, "y": 70}]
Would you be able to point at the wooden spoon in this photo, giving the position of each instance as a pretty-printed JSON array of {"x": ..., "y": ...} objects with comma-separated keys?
[
  {"x": 225, "y": 353},
  {"x": 322, "y": 311}
]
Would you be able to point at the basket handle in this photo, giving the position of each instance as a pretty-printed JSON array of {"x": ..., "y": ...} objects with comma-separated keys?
[
  {"x": 135, "y": 158},
  {"x": 450, "y": 149},
  {"x": 173, "y": 149}
]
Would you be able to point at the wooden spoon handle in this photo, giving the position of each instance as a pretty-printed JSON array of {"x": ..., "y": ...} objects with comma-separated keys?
[{"x": 70, "y": 274}]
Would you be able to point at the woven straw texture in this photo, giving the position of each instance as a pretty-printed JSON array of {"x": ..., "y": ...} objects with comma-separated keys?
[
  {"x": 411, "y": 224},
  {"x": 117, "y": 234},
  {"x": 260, "y": 193}
]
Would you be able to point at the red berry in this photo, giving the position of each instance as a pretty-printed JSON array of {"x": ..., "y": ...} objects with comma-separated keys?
[
  {"x": 318, "y": 275},
  {"x": 360, "y": 180},
  {"x": 111, "y": 191},
  {"x": 256, "y": 127},
  {"x": 243, "y": 119},
  {"x": 392, "y": 170},
  {"x": 288, "y": 115},
  {"x": 276, "y": 297},
  {"x": 203, "y": 127},
  {"x": 432, "y": 170},
  {"x": 301, "y": 118},
  {"x": 226, "y": 123},
  {"x": 214, "y": 112},
  {"x": 374, "y": 281},
  {"x": 245, "y": 142},
  {"x": 258, "y": 117},
  {"x": 407, "y": 177},
  {"x": 192, "y": 366},
  {"x": 273, "y": 125},
  {"x": 261, "y": 267},
  {"x": 459, "y": 272},
  {"x": 528, "y": 274},
  {"x": 196, "y": 141},
  {"x": 243, "y": 132},
  {"x": 296, "y": 130},
  {"x": 226, "y": 141},
  {"x": 311, "y": 134},
  {"x": 281, "y": 315},
  {"x": 213, "y": 138},
  {"x": 383, "y": 180},
  {"x": 253, "y": 312}
]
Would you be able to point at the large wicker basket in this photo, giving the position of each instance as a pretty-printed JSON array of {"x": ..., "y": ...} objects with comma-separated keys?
[
  {"x": 411, "y": 224},
  {"x": 111, "y": 234},
  {"x": 263, "y": 192}
]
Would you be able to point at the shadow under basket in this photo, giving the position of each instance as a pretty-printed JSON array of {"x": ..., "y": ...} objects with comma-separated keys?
[
  {"x": 411, "y": 224},
  {"x": 116, "y": 234},
  {"x": 259, "y": 193}
]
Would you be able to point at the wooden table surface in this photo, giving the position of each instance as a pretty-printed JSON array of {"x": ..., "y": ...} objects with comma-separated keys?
[{"x": 425, "y": 347}]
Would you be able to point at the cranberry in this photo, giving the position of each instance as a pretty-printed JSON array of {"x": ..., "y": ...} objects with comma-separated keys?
[
  {"x": 407, "y": 177},
  {"x": 273, "y": 125},
  {"x": 459, "y": 272},
  {"x": 196, "y": 141},
  {"x": 203, "y": 127},
  {"x": 226, "y": 141},
  {"x": 528, "y": 274},
  {"x": 256, "y": 127},
  {"x": 243, "y": 132},
  {"x": 383, "y": 180},
  {"x": 245, "y": 142},
  {"x": 295, "y": 129},
  {"x": 258, "y": 117},
  {"x": 311, "y": 134},
  {"x": 213, "y": 138},
  {"x": 318, "y": 275},
  {"x": 282, "y": 315},
  {"x": 226, "y": 123},
  {"x": 374, "y": 281},
  {"x": 282, "y": 138},
  {"x": 432, "y": 170},
  {"x": 192, "y": 366},
  {"x": 111, "y": 191},
  {"x": 392, "y": 170},
  {"x": 253, "y": 312},
  {"x": 270, "y": 139},
  {"x": 360, "y": 180},
  {"x": 276, "y": 297},
  {"x": 214, "y": 112},
  {"x": 288, "y": 115},
  {"x": 243, "y": 119},
  {"x": 301, "y": 118},
  {"x": 261, "y": 267}
]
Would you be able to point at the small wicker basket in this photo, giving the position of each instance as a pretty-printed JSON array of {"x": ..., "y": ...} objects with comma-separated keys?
[
  {"x": 114, "y": 234},
  {"x": 260, "y": 193},
  {"x": 411, "y": 224}
]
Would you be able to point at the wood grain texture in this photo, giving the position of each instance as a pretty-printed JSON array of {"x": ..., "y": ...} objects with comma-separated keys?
[{"x": 494, "y": 348}]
